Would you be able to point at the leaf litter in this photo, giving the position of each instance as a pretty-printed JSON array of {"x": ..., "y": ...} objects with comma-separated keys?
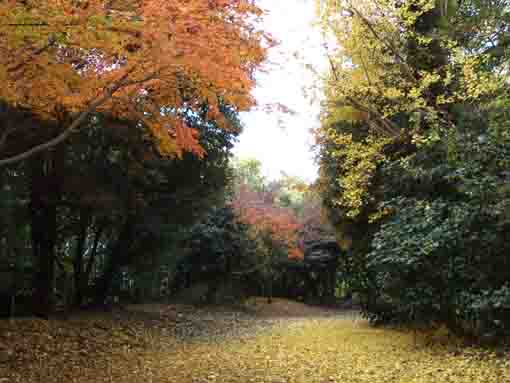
[{"x": 185, "y": 344}]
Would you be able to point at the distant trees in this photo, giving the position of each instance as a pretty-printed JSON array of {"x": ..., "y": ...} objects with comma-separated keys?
[{"x": 255, "y": 244}]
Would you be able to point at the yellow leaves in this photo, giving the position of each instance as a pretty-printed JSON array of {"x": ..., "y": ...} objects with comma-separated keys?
[
  {"x": 409, "y": 12},
  {"x": 359, "y": 161},
  {"x": 165, "y": 143},
  {"x": 337, "y": 350},
  {"x": 393, "y": 93},
  {"x": 477, "y": 83},
  {"x": 442, "y": 99},
  {"x": 428, "y": 78},
  {"x": 374, "y": 66},
  {"x": 303, "y": 344},
  {"x": 380, "y": 214}
]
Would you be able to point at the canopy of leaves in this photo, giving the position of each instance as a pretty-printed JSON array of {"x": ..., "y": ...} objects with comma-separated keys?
[{"x": 137, "y": 60}]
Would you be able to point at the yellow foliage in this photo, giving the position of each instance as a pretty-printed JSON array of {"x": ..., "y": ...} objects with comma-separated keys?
[
  {"x": 370, "y": 71},
  {"x": 359, "y": 161},
  {"x": 376, "y": 82}
]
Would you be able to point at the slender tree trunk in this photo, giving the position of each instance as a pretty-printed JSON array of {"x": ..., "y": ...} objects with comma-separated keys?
[
  {"x": 44, "y": 197},
  {"x": 118, "y": 256},
  {"x": 269, "y": 290},
  {"x": 91, "y": 260},
  {"x": 40, "y": 232},
  {"x": 78, "y": 258}
]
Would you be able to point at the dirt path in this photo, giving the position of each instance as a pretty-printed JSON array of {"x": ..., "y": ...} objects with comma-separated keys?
[{"x": 284, "y": 342}]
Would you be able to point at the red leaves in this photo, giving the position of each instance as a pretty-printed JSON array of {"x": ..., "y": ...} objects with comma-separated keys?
[
  {"x": 187, "y": 140},
  {"x": 258, "y": 210}
]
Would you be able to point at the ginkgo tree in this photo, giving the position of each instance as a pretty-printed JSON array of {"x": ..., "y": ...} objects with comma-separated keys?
[
  {"x": 413, "y": 144},
  {"x": 398, "y": 74},
  {"x": 139, "y": 60}
]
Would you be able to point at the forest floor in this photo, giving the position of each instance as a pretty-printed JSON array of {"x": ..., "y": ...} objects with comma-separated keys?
[{"x": 277, "y": 343}]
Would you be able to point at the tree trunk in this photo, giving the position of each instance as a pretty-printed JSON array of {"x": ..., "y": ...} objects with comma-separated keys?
[
  {"x": 118, "y": 256},
  {"x": 269, "y": 290},
  {"x": 78, "y": 259},
  {"x": 45, "y": 193},
  {"x": 91, "y": 260}
]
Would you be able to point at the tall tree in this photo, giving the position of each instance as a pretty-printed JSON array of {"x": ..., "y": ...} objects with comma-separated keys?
[{"x": 413, "y": 108}]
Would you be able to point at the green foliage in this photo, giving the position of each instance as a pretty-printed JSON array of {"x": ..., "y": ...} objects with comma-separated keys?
[
  {"x": 414, "y": 153},
  {"x": 117, "y": 204},
  {"x": 444, "y": 249},
  {"x": 217, "y": 249},
  {"x": 248, "y": 171}
]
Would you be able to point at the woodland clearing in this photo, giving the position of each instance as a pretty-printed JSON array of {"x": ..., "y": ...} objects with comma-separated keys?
[{"x": 281, "y": 342}]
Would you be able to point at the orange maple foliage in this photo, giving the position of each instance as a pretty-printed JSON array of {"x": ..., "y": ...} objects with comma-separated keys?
[
  {"x": 264, "y": 217},
  {"x": 132, "y": 59}
]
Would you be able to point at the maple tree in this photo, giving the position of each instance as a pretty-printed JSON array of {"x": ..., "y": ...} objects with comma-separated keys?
[
  {"x": 256, "y": 202},
  {"x": 267, "y": 220},
  {"x": 141, "y": 60},
  {"x": 273, "y": 229}
]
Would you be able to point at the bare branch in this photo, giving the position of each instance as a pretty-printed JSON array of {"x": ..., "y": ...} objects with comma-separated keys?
[
  {"x": 367, "y": 75},
  {"x": 331, "y": 64}
]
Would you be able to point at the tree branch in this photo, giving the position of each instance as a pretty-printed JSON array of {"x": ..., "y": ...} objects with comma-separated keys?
[
  {"x": 37, "y": 52},
  {"x": 7, "y": 132},
  {"x": 386, "y": 42},
  {"x": 122, "y": 82},
  {"x": 389, "y": 128}
]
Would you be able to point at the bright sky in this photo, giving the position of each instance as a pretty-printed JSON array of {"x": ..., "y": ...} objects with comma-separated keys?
[{"x": 286, "y": 148}]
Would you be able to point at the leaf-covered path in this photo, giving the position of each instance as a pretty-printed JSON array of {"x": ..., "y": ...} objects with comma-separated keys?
[
  {"x": 204, "y": 347},
  {"x": 327, "y": 350}
]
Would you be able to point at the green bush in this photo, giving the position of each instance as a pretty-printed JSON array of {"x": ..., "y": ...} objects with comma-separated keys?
[{"x": 443, "y": 255}]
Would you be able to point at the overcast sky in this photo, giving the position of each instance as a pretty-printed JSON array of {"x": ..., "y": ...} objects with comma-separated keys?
[{"x": 285, "y": 149}]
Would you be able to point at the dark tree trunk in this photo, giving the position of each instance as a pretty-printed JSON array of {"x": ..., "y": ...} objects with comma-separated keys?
[
  {"x": 91, "y": 260},
  {"x": 45, "y": 190},
  {"x": 269, "y": 289},
  {"x": 118, "y": 256},
  {"x": 78, "y": 259}
]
